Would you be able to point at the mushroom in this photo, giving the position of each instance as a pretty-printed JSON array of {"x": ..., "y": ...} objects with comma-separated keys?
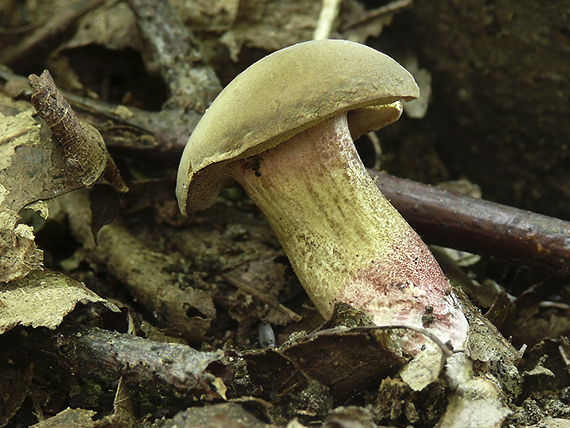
[{"x": 283, "y": 129}]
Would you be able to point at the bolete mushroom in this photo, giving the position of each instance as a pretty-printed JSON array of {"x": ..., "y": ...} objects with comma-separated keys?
[{"x": 284, "y": 130}]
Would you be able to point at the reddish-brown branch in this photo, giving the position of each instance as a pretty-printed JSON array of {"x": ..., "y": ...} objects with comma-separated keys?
[{"x": 453, "y": 220}]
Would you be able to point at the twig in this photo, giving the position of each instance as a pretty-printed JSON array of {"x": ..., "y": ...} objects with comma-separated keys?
[
  {"x": 147, "y": 273},
  {"x": 157, "y": 368},
  {"x": 260, "y": 296},
  {"x": 329, "y": 12},
  {"x": 192, "y": 82},
  {"x": 171, "y": 126},
  {"x": 391, "y": 8},
  {"x": 453, "y": 220}
]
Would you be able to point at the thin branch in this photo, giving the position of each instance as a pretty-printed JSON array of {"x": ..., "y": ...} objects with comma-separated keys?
[
  {"x": 157, "y": 368},
  {"x": 389, "y": 9},
  {"x": 329, "y": 12},
  {"x": 457, "y": 221},
  {"x": 192, "y": 82},
  {"x": 260, "y": 296}
]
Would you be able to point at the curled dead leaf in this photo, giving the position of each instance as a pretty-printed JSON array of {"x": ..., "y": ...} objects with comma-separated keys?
[
  {"x": 83, "y": 145},
  {"x": 42, "y": 299}
]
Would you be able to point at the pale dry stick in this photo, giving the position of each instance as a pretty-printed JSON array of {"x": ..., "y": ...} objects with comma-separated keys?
[
  {"x": 146, "y": 273},
  {"x": 329, "y": 12}
]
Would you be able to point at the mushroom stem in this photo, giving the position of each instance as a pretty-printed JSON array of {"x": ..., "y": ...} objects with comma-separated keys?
[{"x": 345, "y": 241}]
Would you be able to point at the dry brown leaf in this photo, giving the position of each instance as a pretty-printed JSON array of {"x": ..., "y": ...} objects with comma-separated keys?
[
  {"x": 274, "y": 24},
  {"x": 218, "y": 415},
  {"x": 33, "y": 167},
  {"x": 271, "y": 25},
  {"x": 18, "y": 131},
  {"x": 113, "y": 26},
  {"x": 367, "y": 354},
  {"x": 209, "y": 15},
  {"x": 25, "y": 149},
  {"x": 485, "y": 343},
  {"x": 42, "y": 299},
  {"x": 18, "y": 251},
  {"x": 76, "y": 418}
]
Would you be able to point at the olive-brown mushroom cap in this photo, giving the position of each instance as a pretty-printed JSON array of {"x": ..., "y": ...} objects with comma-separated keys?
[{"x": 282, "y": 95}]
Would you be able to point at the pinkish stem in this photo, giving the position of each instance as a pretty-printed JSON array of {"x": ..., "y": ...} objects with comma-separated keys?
[{"x": 344, "y": 239}]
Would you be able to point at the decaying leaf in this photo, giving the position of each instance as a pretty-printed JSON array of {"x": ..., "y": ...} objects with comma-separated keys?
[
  {"x": 82, "y": 144},
  {"x": 42, "y": 299},
  {"x": 79, "y": 418},
  {"x": 113, "y": 26},
  {"x": 485, "y": 343},
  {"x": 418, "y": 108},
  {"x": 26, "y": 175},
  {"x": 368, "y": 354},
  {"x": 272, "y": 25},
  {"x": 218, "y": 415},
  {"x": 547, "y": 366},
  {"x": 32, "y": 166},
  {"x": 208, "y": 15},
  {"x": 18, "y": 251}
]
